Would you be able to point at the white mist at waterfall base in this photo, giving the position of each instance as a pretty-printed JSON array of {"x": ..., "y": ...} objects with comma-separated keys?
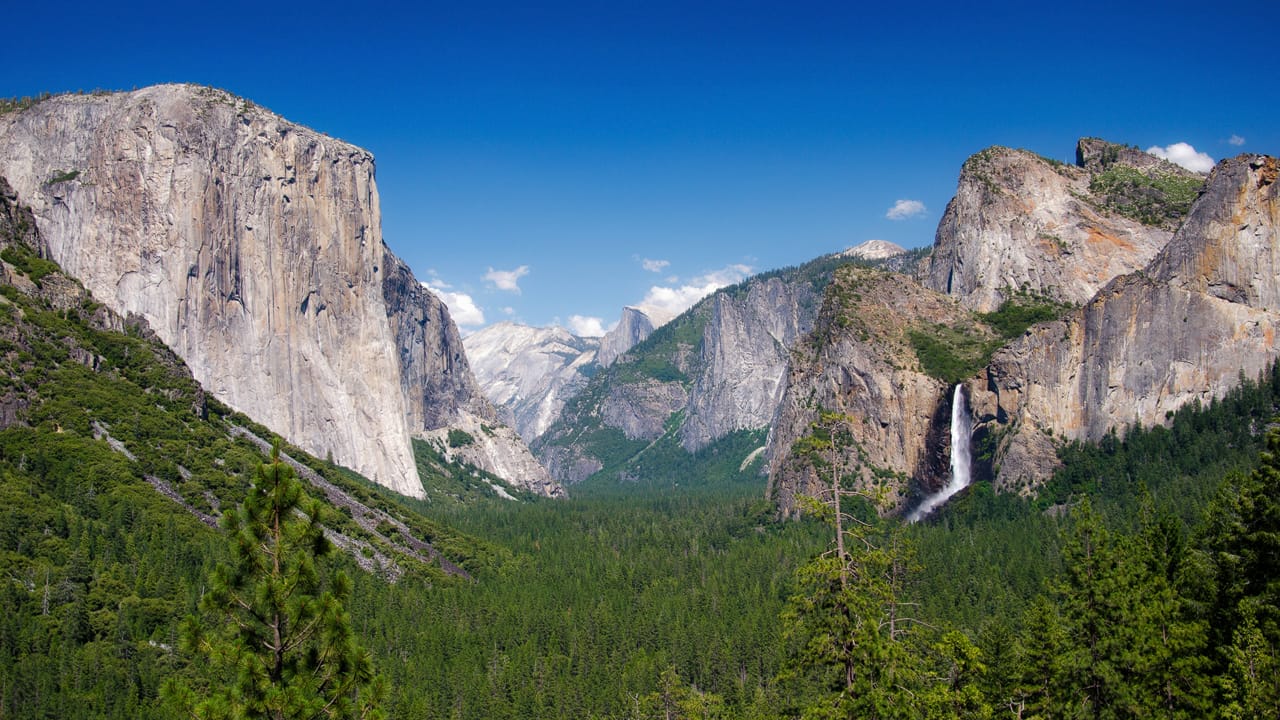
[{"x": 961, "y": 427}]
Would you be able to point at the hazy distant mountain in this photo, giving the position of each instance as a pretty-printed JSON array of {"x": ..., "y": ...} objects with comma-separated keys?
[
  {"x": 874, "y": 250},
  {"x": 529, "y": 372}
]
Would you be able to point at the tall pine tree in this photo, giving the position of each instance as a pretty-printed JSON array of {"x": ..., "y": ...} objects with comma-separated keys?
[
  {"x": 848, "y": 625},
  {"x": 275, "y": 638}
]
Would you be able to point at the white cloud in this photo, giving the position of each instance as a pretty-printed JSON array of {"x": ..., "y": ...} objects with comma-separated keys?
[
  {"x": 1183, "y": 154},
  {"x": 1236, "y": 140},
  {"x": 664, "y": 303},
  {"x": 904, "y": 209},
  {"x": 585, "y": 326},
  {"x": 462, "y": 308},
  {"x": 507, "y": 279},
  {"x": 508, "y": 311},
  {"x": 654, "y": 265}
]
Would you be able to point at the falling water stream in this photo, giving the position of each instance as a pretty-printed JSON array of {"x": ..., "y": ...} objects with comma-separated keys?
[{"x": 961, "y": 428}]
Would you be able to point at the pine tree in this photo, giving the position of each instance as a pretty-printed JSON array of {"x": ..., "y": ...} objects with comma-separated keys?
[
  {"x": 849, "y": 624},
  {"x": 1039, "y": 692},
  {"x": 1241, "y": 544},
  {"x": 1129, "y": 649},
  {"x": 1251, "y": 685},
  {"x": 276, "y": 639}
]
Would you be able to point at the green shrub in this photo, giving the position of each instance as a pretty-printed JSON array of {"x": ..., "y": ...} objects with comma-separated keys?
[
  {"x": 1159, "y": 198},
  {"x": 60, "y": 176},
  {"x": 1021, "y": 312},
  {"x": 460, "y": 438},
  {"x": 948, "y": 353},
  {"x": 28, "y": 263}
]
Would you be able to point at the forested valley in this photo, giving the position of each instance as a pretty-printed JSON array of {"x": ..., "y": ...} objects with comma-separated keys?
[{"x": 1143, "y": 581}]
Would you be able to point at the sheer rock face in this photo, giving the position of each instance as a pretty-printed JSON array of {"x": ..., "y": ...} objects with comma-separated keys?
[
  {"x": 252, "y": 246},
  {"x": 1020, "y": 222},
  {"x": 633, "y": 327},
  {"x": 744, "y": 359},
  {"x": 529, "y": 372},
  {"x": 1202, "y": 313}
]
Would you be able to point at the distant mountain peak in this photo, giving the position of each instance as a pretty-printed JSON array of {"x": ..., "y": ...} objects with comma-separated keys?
[{"x": 874, "y": 250}]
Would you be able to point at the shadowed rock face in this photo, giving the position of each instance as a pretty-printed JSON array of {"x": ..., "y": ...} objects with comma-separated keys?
[
  {"x": 1021, "y": 222},
  {"x": 253, "y": 247},
  {"x": 1202, "y": 313}
]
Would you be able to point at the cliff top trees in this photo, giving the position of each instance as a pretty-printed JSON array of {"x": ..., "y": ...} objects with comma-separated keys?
[{"x": 282, "y": 646}]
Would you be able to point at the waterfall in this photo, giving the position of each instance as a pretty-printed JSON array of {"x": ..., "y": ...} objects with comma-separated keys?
[{"x": 961, "y": 429}]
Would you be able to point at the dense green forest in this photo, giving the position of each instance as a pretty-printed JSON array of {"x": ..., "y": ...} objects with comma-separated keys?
[{"x": 1144, "y": 581}]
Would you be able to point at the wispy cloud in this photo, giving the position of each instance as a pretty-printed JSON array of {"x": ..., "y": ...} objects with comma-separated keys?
[
  {"x": 508, "y": 280},
  {"x": 904, "y": 209},
  {"x": 664, "y": 303},
  {"x": 586, "y": 326},
  {"x": 1235, "y": 140},
  {"x": 654, "y": 265},
  {"x": 1183, "y": 154},
  {"x": 462, "y": 308}
]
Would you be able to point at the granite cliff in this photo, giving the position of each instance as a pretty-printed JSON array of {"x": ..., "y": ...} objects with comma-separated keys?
[
  {"x": 252, "y": 246},
  {"x": 859, "y": 361},
  {"x": 1021, "y": 222},
  {"x": 1202, "y": 313},
  {"x": 633, "y": 327}
]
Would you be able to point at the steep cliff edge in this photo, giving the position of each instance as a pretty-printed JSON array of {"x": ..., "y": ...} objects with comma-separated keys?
[
  {"x": 252, "y": 246},
  {"x": 1204, "y": 312},
  {"x": 1022, "y": 222},
  {"x": 1185, "y": 327}
]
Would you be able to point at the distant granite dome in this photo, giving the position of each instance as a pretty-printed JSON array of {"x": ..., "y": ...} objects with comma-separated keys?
[
  {"x": 635, "y": 325},
  {"x": 874, "y": 250}
]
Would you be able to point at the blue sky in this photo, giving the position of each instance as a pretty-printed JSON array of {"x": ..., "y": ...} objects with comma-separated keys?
[{"x": 533, "y": 156}]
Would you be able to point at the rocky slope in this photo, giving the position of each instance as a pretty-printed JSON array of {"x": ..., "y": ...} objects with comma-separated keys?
[
  {"x": 529, "y": 372},
  {"x": 1201, "y": 314},
  {"x": 253, "y": 248},
  {"x": 1022, "y": 222}
]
